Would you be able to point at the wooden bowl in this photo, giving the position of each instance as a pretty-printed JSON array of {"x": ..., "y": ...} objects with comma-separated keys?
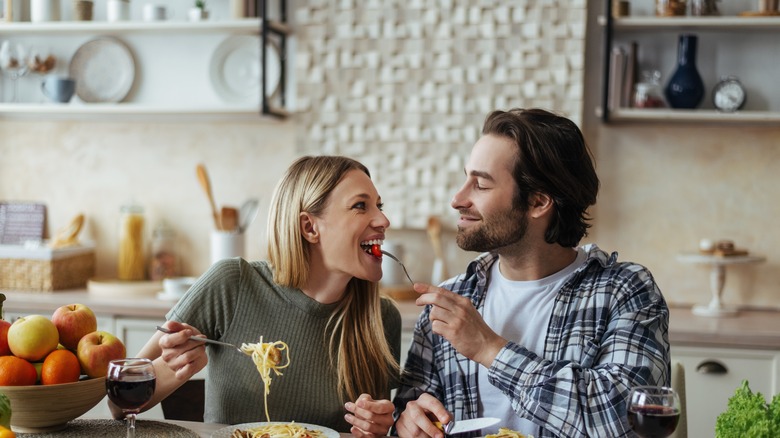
[{"x": 45, "y": 408}]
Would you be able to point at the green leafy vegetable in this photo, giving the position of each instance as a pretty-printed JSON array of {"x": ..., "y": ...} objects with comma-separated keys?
[{"x": 749, "y": 416}]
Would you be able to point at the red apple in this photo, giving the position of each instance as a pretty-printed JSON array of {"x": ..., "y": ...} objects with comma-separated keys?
[
  {"x": 32, "y": 337},
  {"x": 96, "y": 350},
  {"x": 73, "y": 322},
  {"x": 4, "y": 349}
]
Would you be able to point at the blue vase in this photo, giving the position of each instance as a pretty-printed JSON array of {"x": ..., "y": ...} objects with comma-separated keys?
[{"x": 685, "y": 88}]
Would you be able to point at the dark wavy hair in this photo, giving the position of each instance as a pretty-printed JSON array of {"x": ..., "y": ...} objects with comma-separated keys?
[{"x": 552, "y": 158}]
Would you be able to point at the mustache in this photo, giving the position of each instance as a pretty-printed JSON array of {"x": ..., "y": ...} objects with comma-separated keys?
[{"x": 469, "y": 213}]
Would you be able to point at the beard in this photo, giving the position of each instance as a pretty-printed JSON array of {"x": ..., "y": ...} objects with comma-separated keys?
[{"x": 505, "y": 228}]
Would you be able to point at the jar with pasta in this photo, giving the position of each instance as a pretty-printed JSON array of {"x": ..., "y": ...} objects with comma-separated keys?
[{"x": 131, "y": 263}]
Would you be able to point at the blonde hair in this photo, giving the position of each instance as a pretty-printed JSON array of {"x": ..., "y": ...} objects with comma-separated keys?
[{"x": 356, "y": 325}]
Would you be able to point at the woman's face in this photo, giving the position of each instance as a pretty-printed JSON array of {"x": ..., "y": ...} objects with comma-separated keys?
[{"x": 352, "y": 217}]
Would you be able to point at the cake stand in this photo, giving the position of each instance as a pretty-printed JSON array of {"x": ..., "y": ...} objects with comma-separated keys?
[{"x": 718, "y": 264}]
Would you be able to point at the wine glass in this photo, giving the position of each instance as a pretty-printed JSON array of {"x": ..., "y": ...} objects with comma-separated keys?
[
  {"x": 13, "y": 62},
  {"x": 130, "y": 384},
  {"x": 653, "y": 411}
]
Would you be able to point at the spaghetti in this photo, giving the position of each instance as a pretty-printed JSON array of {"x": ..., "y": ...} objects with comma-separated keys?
[
  {"x": 503, "y": 432},
  {"x": 278, "y": 430},
  {"x": 267, "y": 357}
]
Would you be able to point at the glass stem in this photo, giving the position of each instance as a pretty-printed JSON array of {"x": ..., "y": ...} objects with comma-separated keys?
[{"x": 130, "y": 425}]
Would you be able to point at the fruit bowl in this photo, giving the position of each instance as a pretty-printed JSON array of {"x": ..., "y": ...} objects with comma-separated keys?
[{"x": 46, "y": 408}]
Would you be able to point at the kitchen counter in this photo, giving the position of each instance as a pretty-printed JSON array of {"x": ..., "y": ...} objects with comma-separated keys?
[{"x": 758, "y": 329}]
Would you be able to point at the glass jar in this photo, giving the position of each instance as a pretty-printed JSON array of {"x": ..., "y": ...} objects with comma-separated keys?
[
  {"x": 669, "y": 8},
  {"x": 164, "y": 262},
  {"x": 648, "y": 92},
  {"x": 131, "y": 263}
]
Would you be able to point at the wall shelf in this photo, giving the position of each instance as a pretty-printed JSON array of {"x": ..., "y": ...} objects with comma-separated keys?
[
  {"x": 237, "y": 26},
  {"x": 736, "y": 46},
  {"x": 172, "y": 81},
  {"x": 683, "y": 116},
  {"x": 127, "y": 112},
  {"x": 692, "y": 23}
]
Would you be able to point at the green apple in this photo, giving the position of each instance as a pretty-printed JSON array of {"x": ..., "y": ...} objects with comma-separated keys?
[
  {"x": 96, "y": 350},
  {"x": 73, "y": 321},
  {"x": 32, "y": 337}
]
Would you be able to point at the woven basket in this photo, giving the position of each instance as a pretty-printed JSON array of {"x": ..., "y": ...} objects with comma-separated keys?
[{"x": 60, "y": 270}]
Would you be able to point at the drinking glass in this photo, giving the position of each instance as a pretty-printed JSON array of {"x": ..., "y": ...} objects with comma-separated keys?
[
  {"x": 13, "y": 62},
  {"x": 130, "y": 384},
  {"x": 653, "y": 411}
]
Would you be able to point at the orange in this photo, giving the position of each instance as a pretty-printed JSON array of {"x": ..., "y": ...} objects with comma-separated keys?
[
  {"x": 60, "y": 366},
  {"x": 6, "y": 433},
  {"x": 15, "y": 371}
]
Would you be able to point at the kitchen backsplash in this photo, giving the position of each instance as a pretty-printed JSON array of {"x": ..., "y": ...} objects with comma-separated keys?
[{"x": 663, "y": 188}]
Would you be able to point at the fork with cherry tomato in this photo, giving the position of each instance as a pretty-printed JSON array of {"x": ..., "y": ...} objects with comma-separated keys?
[{"x": 377, "y": 252}]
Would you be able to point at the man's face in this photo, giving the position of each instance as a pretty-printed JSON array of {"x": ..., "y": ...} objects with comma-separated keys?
[{"x": 489, "y": 218}]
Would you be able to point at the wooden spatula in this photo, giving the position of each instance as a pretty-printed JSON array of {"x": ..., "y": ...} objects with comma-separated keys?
[{"x": 203, "y": 179}]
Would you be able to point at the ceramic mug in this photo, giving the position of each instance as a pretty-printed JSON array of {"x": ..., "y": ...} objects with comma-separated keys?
[
  {"x": 225, "y": 245},
  {"x": 58, "y": 89},
  {"x": 155, "y": 12},
  {"x": 44, "y": 10},
  {"x": 118, "y": 10}
]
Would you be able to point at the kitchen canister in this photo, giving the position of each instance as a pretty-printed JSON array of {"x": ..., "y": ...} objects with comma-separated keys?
[
  {"x": 44, "y": 10},
  {"x": 117, "y": 10},
  {"x": 131, "y": 262},
  {"x": 392, "y": 273},
  {"x": 226, "y": 244}
]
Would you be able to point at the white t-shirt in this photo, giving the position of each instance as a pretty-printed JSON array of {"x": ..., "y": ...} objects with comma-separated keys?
[{"x": 518, "y": 311}]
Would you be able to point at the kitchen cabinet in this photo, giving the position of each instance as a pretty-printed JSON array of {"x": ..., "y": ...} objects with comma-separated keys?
[
  {"x": 712, "y": 375},
  {"x": 175, "y": 64},
  {"x": 728, "y": 45}
]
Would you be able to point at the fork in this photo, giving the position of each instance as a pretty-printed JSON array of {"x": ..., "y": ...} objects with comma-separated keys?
[
  {"x": 399, "y": 262},
  {"x": 207, "y": 340}
]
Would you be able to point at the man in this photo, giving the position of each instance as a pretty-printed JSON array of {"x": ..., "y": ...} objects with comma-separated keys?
[{"x": 547, "y": 336}]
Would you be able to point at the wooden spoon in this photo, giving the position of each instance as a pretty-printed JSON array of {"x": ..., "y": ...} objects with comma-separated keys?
[
  {"x": 203, "y": 178},
  {"x": 229, "y": 219}
]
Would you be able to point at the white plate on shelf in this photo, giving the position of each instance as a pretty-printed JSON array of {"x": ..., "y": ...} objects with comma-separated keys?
[
  {"x": 104, "y": 70},
  {"x": 226, "y": 432},
  {"x": 236, "y": 69}
]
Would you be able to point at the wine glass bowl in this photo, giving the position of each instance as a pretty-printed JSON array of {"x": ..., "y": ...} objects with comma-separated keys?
[
  {"x": 653, "y": 411},
  {"x": 13, "y": 63},
  {"x": 130, "y": 385}
]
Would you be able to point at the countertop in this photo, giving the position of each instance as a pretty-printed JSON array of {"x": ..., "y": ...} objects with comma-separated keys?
[{"x": 758, "y": 329}]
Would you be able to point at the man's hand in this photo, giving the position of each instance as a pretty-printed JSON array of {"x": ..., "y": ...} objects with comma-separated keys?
[
  {"x": 368, "y": 417},
  {"x": 457, "y": 320},
  {"x": 181, "y": 354},
  {"x": 419, "y": 417}
]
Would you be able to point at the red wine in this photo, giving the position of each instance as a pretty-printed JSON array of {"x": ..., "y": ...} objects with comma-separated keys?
[
  {"x": 653, "y": 421},
  {"x": 131, "y": 395}
]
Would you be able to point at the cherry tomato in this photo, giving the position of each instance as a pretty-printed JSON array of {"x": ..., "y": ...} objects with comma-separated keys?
[{"x": 376, "y": 251}]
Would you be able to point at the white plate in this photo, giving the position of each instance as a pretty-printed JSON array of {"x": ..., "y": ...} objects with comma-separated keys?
[
  {"x": 104, "y": 70},
  {"x": 236, "y": 69},
  {"x": 225, "y": 432}
]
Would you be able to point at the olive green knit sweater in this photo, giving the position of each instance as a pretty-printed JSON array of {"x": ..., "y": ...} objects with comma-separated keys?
[{"x": 237, "y": 301}]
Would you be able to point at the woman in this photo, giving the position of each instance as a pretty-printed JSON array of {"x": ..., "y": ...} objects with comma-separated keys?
[{"x": 318, "y": 293}]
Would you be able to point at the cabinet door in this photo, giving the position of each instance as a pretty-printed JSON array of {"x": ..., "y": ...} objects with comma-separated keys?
[{"x": 708, "y": 387}]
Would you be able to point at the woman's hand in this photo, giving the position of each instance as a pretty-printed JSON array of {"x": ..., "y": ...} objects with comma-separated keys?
[
  {"x": 182, "y": 355},
  {"x": 369, "y": 417}
]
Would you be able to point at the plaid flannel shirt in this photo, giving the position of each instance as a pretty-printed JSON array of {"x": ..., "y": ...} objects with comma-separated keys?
[{"x": 607, "y": 333}]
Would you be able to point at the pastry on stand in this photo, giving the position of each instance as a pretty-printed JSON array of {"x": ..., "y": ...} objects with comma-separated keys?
[{"x": 718, "y": 255}]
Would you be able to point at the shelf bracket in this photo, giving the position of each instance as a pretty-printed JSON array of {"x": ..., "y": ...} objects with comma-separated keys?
[
  {"x": 607, "y": 59},
  {"x": 276, "y": 28}
]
